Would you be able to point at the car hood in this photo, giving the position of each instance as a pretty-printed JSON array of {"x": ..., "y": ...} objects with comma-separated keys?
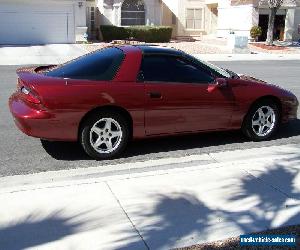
[
  {"x": 252, "y": 79},
  {"x": 283, "y": 92}
]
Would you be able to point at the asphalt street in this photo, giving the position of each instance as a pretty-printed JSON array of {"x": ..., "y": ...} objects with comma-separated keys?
[{"x": 20, "y": 154}]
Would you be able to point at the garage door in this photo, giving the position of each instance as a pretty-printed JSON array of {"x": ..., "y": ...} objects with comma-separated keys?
[{"x": 36, "y": 23}]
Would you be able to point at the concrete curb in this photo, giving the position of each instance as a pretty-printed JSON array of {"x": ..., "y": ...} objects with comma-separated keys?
[{"x": 148, "y": 168}]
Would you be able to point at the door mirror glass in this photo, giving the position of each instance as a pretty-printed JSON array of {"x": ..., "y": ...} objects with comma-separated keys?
[
  {"x": 221, "y": 82},
  {"x": 218, "y": 84}
]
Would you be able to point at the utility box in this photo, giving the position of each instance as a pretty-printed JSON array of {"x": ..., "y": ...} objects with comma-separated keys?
[
  {"x": 298, "y": 28},
  {"x": 237, "y": 44}
]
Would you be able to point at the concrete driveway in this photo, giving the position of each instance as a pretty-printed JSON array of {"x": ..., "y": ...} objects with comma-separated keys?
[{"x": 39, "y": 54}]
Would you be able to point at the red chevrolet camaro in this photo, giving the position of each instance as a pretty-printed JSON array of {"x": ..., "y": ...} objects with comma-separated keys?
[{"x": 106, "y": 98}]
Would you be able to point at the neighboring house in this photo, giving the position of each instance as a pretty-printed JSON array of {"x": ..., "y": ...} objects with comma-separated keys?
[
  {"x": 240, "y": 15},
  {"x": 197, "y": 17},
  {"x": 66, "y": 21},
  {"x": 187, "y": 17},
  {"x": 42, "y": 21}
]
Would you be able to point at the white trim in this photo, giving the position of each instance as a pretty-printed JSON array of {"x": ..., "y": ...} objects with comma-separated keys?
[
  {"x": 195, "y": 29},
  {"x": 238, "y": 6}
]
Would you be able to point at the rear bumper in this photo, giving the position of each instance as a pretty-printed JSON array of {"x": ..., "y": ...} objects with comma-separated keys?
[{"x": 35, "y": 121}]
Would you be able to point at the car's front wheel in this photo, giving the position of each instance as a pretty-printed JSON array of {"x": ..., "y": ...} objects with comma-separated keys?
[
  {"x": 104, "y": 135},
  {"x": 262, "y": 121}
]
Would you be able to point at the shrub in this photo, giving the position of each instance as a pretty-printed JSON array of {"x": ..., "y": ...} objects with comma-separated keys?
[
  {"x": 255, "y": 32},
  {"x": 151, "y": 34},
  {"x": 148, "y": 34},
  {"x": 110, "y": 33}
]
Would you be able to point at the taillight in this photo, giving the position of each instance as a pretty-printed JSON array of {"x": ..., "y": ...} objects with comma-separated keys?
[{"x": 29, "y": 95}]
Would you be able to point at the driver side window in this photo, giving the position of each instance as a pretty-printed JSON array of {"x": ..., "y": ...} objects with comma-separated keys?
[
  {"x": 162, "y": 68},
  {"x": 186, "y": 71}
]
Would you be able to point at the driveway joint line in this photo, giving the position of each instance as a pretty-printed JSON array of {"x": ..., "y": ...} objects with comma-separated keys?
[
  {"x": 215, "y": 160},
  {"x": 126, "y": 214}
]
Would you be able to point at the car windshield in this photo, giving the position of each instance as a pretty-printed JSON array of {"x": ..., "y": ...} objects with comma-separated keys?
[
  {"x": 217, "y": 69},
  {"x": 219, "y": 72}
]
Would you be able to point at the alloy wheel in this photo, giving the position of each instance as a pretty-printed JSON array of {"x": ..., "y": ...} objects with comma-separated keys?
[
  {"x": 263, "y": 121},
  {"x": 106, "y": 135}
]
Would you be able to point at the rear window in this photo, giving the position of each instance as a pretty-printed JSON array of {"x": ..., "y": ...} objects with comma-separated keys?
[{"x": 98, "y": 66}]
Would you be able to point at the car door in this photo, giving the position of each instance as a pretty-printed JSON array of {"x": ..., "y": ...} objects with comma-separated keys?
[{"x": 177, "y": 97}]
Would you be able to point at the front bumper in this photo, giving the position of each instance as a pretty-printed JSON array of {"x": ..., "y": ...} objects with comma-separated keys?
[{"x": 290, "y": 110}]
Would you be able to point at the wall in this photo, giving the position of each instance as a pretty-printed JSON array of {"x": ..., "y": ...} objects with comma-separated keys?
[
  {"x": 167, "y": 19},
  {"x": 169, "y": 7},
  {"x": 236, "y": 18},
  {"x": 80, "y": 21},
  {"x": 296, "y": 35}
]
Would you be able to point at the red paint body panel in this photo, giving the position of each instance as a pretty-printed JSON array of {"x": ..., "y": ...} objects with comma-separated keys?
[
  {"x": 182, "y": 108},
  {"x": 131, "y": 65},
  {"x": 187, "y": 108}
]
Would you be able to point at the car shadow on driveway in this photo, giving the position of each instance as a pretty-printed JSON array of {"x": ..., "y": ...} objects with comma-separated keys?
[{"x": 72, "y": 151}]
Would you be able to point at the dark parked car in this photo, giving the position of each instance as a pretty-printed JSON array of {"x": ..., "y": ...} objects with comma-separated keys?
[{"x": 113, "y": 95}]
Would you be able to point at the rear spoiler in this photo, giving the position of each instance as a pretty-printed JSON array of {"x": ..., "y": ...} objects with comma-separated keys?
[
  {"x": 34, "y": 69},
  {"x": 31, "y": 76}
]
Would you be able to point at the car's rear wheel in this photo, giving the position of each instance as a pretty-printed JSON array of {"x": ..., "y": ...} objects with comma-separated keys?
[
  {"x": 104, "y": 135},
  {"x": 262, "y": 120}
]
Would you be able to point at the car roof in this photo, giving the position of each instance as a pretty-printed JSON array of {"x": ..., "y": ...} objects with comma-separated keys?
[{"x": 154, "y": 49}]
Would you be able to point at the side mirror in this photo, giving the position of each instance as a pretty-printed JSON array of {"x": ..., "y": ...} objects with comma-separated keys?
[{"x": 219, "y": 83}]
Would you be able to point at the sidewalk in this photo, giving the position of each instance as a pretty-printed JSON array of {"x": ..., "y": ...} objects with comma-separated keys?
[
  {"x": 39, "y": 54},
  {"x": 247, "y": 57},
  {"x": 159, "y": 204},
  {"x": 60, "y": 53}
]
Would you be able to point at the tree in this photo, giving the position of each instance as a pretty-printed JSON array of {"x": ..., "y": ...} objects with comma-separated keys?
[{"x": 274, "y": 5}]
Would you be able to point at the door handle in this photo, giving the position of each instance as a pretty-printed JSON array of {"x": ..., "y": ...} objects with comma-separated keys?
[{"x": 155, "y": 95}]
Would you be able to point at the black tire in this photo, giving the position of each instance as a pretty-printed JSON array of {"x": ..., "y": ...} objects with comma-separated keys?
[
  {"x": 85, "y": 135},
  {"x": 247, "y": 128}
]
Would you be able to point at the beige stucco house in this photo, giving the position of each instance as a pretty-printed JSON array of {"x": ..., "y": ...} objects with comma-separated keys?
[
  {"x": 67, "y": 21},
  {"x": 187, "y": 17},
  {"x": 197, "y": 17}
]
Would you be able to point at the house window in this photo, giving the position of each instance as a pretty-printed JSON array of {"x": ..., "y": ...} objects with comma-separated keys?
[
  {"x": 194, "y": 19},
  {"x": 133, "y": 13}
]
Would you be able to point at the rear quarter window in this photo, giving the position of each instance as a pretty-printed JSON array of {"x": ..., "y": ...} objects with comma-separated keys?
[{"x": 101, "y": 65}]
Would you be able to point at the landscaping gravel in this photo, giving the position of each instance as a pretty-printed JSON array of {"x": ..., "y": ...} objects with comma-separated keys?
[
  {"x": 234, "y": 243},
  {"x": 196, "y": 47},
  {"x": 207, "y": 46}
]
